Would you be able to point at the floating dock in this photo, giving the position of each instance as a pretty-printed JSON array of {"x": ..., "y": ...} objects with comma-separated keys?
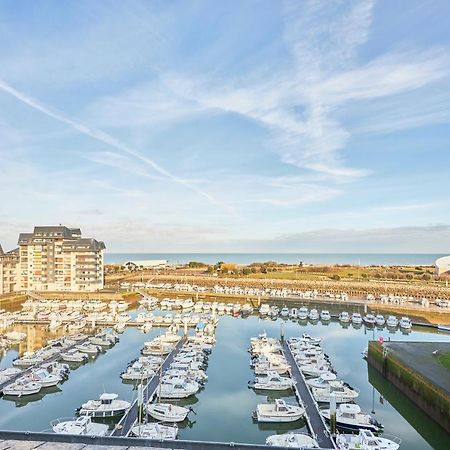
[
  {"x": 123, "y": 428},
  {"x": 314, "y": 419}
]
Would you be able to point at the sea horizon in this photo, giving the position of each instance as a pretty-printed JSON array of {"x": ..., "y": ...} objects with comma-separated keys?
[{"x": 363, "y": 259}]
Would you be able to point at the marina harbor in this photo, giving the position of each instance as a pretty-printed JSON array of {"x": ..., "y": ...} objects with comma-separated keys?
[{"x": 177, "y": 368}]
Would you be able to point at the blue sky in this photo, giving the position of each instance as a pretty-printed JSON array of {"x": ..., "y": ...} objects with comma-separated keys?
[{"x": 316, "y": 126}]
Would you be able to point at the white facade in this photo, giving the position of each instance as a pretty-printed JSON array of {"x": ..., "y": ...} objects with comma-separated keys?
[
  {"x": 442, "y": 265},
  {"x": 146, "y": 264}
]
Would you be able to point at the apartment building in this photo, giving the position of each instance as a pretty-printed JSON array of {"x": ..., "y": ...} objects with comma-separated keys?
[
  {"x": 9, "y": 266},
  {"x": 58, "y": 258}
]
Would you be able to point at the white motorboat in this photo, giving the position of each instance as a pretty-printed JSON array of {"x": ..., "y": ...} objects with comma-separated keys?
[
  {"x": 405, "y": 323},
  {"x": 28, "y": 360},
  {"x": 274, "y": 311},
  {"x": 44, "y": 378},
  {"x": 293, "y": 314},
  {"x": 280, "y": 411},
  {"x": 325, "y": 316},
  {"x": 365, "y": 440},
  {"x": 88, "y": 348},
  {"x": 284, "y": 311},
  {"x": 264, "y": 309},
  {"x": 357, "y": 318},
  {"x": 350, "y": 417},
  {"x": 369, "y": 319},
  {"x": 315, "y": 370},
  {"x": 322, "y": 381},
  {"x": 303, "y": 313},
  {"x": 137, "y": 372},
  {"x": 166, "y": 412},
  {"x": 265, "y": 367},
  {"x": 22, "y": 387},
  {"x": 7, "y": 374},
  {"x": 178, "y": 388},
  {"x": 79, "y": 426},
  {"x": 313, "y": 314},
  {"x": 155, "y": 431},
  {"x": 344, "y": 317},
  {"x": 107, "y": 406},
  {"x": 380, "y": 320},
  {"x": 272, "y": 382},
  {"x": 187, "y": 304},
  {"x": 100, "y": 341},
  {"x": 74, "y": 355},
  {"x": 392, "y": 322},
  {"x": 341, "y": 392},
  {"x": 292, "y": 440},
  {"x": 246, "y": 309}
]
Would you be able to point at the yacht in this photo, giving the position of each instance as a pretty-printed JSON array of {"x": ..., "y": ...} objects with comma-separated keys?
[
  {"x": 79, "y": 426},
  {"x": 369, "y": 319},
  {"x": 325, "y": 316},
  {"x": 322, "y": 381},
  {"x": 350, "y": 417},
  {"x": 178, "y": 388},
  {"x": 272, "y": 382},
  {"x": 155, "y": 431},
  {"x": 310, "y": 340},
  {"x": 405, "y": 323},
  {"x": 344, "y": 317},
  {"x": 22, "y": 387},
  {"x": 280, "y": 411},
  {"x": 342, "y": 393},
  {"x": 284, "y": 311},
  {"x": 166, "y": 412},
  {"x": 380, "y": 320},
  {"x": 356, "y": 318},
  {"x": 313, "y": 314},
  {"x": 107, "y": 406},
  {"x": 303, "y": 313},
  {"x": 265, "y": 367},
  {"x": 364, "y": 440},
  {"x": 293, "y": 314},
  {"x": 392, "y": 322},
  {"x": 246, "y": 309},
  {"x": 274, "y": 311},
  {"x": 292, "y": 440},
  {"x": 264, "y": 309}
]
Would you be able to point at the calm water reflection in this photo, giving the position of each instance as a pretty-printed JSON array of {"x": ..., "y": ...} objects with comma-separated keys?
[{"x": 223, "y": 409}]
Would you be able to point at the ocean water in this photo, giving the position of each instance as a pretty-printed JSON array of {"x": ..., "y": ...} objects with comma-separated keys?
[{"x": 364, "y": 259}]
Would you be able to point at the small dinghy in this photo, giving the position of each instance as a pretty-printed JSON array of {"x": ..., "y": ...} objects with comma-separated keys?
[
  {"x": 166, "y": 412},
  {"x": 292, "y": 440},
  {"x": 155, "y": 431},
  {"x": 365, "y": 440},
  {"x": 280, "y": 411},
  {"x": 106, "y": 406},
  {"x": 350, "y": 417},
  {"x": 79, "y": 426}
]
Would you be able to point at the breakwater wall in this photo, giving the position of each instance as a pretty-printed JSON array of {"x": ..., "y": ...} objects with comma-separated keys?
[{"x": 428, "y": 394}]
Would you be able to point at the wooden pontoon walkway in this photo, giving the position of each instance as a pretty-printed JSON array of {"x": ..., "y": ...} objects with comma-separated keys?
[{"x": 316, "y": 423}]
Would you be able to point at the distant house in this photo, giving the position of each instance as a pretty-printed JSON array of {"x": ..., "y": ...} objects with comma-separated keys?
[
  {"x": 146, "y": 264},
  {"x": 442, "y": 265}
]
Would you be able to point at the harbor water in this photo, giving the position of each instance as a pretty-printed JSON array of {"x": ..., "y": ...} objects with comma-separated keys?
[{"x": 223, "y": 409}]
